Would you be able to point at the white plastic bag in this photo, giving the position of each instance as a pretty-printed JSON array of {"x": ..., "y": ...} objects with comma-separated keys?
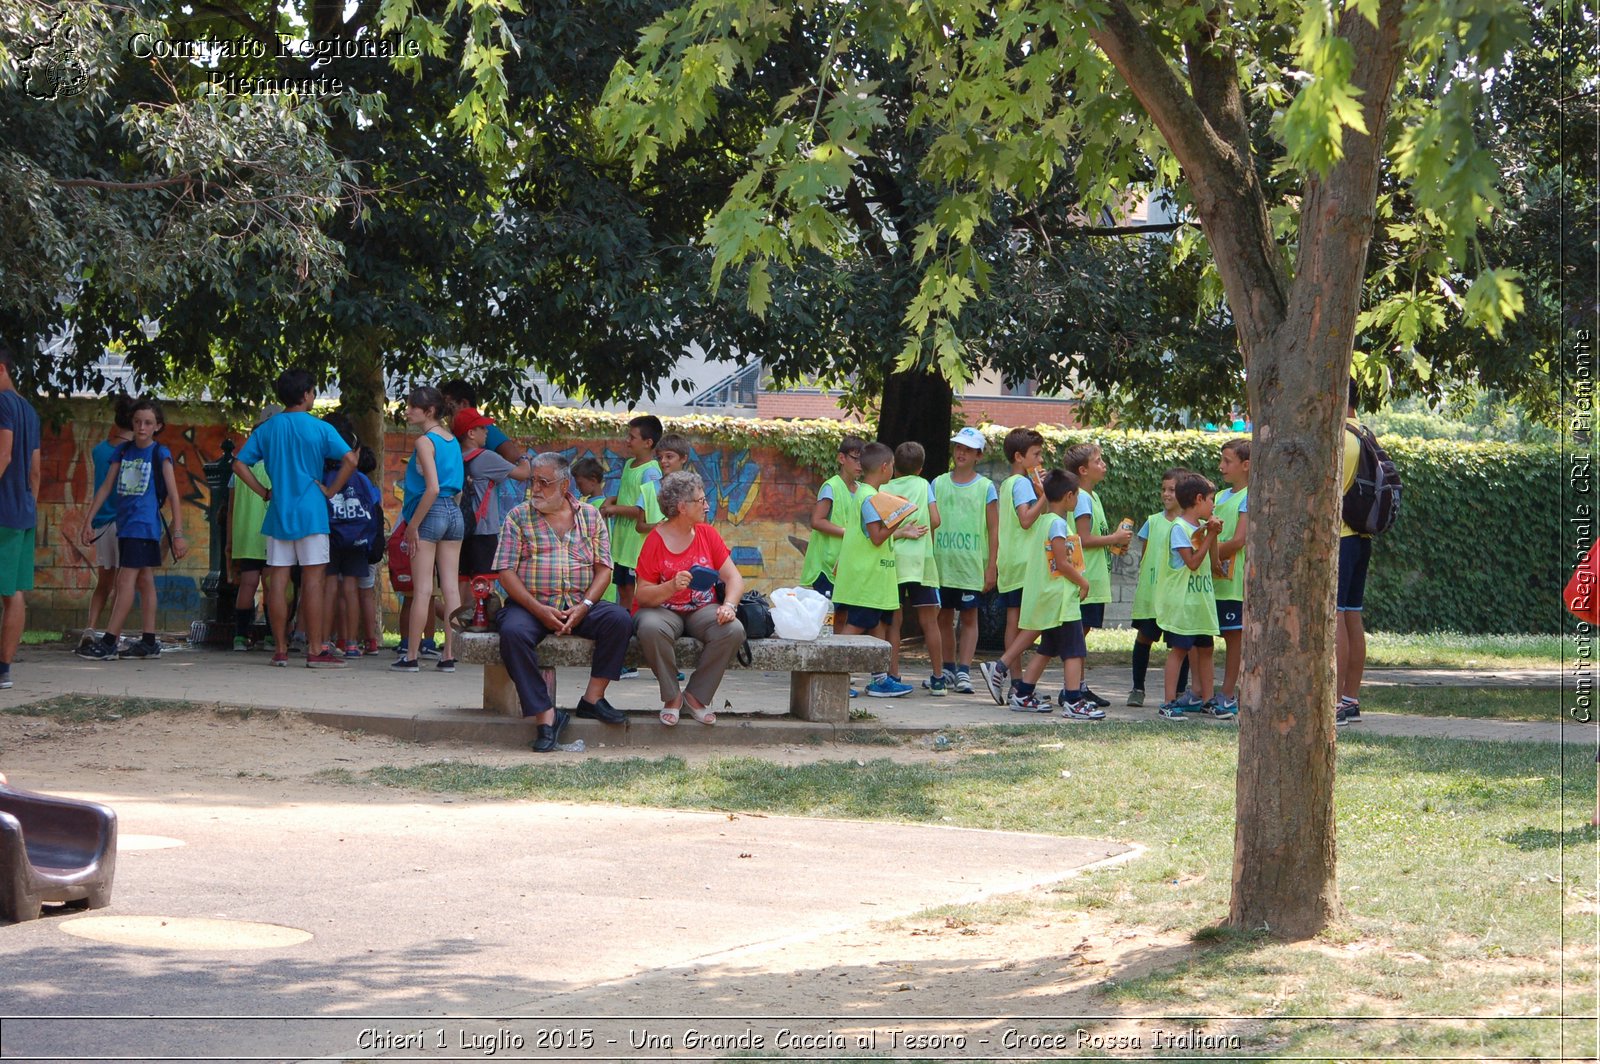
[{"x": 798, "y": 612}]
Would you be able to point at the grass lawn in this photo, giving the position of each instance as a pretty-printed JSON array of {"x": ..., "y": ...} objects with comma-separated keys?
[
  {"x": 1436, "y": 650},
  {"x": 1467, "y": 870},
  {"x": 1498, "y": 703}
]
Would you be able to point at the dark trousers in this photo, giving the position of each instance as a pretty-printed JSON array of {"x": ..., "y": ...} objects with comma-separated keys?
[{"x": 521, "y": 633}]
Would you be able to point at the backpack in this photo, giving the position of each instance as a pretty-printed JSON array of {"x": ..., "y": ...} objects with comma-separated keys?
[
  {"x": 756, "y": 616},
  {"x": 399, "y": 561},
  {"x": 474, "y": 518},
  {"x": 1372, "y": 505},
  {"x": 354, "y": 527}
]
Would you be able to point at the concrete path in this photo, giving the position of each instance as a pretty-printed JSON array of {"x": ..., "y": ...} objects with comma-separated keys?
[
  {"x": 431, "y": 706},
  {"x": 416, "y": 908}
]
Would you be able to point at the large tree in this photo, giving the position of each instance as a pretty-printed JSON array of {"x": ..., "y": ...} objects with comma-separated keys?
[{"x": 1359, "y": 92}]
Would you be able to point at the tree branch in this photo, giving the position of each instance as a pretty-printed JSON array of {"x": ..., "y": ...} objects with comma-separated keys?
[{"x": 128, "y": 186}]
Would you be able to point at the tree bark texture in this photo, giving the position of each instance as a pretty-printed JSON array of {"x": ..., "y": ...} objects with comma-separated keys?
[
  {"x": 917, "y": 405},
  {"x": 361, "y": 390},
  {"x": 1297, "y": 339}
]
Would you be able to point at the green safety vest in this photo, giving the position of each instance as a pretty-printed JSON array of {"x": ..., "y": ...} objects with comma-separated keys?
[
  {"x": 822, "y": 553},
  {"x": 1156, "y": 549},
  {"x": 1049, "y": 599},
  {"x": 1013, "y": 556},
  {"x": 961, "y": 545},
  {"x": 866, "y": 575},
  {"x": 914, "y": 558},
  {"x": 1230, "y": 585},
  {"x": 1185, "y": 601},
  {"x": 1096, "y": 561},
  {"x": 625, "y": 538},
  {"x": 611, "y": 588}
]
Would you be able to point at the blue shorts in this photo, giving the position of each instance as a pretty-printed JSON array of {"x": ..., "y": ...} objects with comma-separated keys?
[
  {"x": 865, "y": 617},
  {"x": 442, "y": 523},
  {"x": 1148, "y": 629},
  {"x": 1011, "y": 600},
  {"x": 1354, "y": 554},
  {"x": 349, "y": 561},
  {"x": 822, "y": 585},
  {"x": 139, "y": 553},
  {"x": 915, "y": 595},
  {"x": 1064, "y": 641},
  {"x": 958, "y": 598},
  {"x": 1094, "y": 615},
  {"x": 1230, "y": 615},
  {"x": 1187, "y": 642},
  {"x": 623, "y": 576}
]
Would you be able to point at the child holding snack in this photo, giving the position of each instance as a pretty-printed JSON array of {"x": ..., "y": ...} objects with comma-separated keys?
[
  {"x": 1024, "y": 449},
  {"x": 1153, "y": 536},
  {"x": 1089, "y": 463},
  {"x": 867, "y": 585},
  {"x": 916, "y": 565},
  {"x": 1186, "y": 604}
]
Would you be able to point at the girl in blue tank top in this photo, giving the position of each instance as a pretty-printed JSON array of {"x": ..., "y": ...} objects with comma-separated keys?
[{"x": 434, "y": 524}]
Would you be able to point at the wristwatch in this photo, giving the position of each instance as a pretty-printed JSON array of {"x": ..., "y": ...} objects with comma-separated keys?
[{"x": 589, "y": 602}]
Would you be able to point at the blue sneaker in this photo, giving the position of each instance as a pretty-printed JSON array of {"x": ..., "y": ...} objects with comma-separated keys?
[
  {"x": 1224, "y": 708},
  {"x": 963, "y": 682},
  {"x": 887, "y": 688},
  {"x": 1187, "y": 701},
  {"x": 429, "y": 649},
  {"x": 935, "y": 686},
  {"x": 1172, "y": 711},
  {"x": 854, "y": 693},
  {"x": 947, "y": 678}
]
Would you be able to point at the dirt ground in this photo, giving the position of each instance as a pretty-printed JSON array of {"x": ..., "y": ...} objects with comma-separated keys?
[{"x": 1026, "y": 958}]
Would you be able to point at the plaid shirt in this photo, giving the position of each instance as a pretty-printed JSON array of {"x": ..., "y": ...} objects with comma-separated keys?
[{"x": 556, "y": 568}]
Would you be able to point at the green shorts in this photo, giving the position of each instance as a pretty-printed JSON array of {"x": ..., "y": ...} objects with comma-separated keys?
[{"x": 16, "y": 560}]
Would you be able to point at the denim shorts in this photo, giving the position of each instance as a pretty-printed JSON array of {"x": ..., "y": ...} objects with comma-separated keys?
[{"x": 443, "y": 522}]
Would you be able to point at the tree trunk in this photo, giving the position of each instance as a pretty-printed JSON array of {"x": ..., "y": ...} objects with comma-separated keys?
[
  {"x": 918, "y": 405},
  {"x": 361, "y": 390},
  {"x": 1284, "y": 839}
]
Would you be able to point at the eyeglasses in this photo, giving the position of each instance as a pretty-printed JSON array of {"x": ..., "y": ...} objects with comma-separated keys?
[
  {"x": 546, "y": 482},
  {"x": 852, "y": 454}
]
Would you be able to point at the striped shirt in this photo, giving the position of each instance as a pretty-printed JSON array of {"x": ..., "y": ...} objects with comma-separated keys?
[{"x": 556, "y": 568}]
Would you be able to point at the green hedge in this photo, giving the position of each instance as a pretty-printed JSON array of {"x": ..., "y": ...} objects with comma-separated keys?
[{"x": 1456, "y": 561}]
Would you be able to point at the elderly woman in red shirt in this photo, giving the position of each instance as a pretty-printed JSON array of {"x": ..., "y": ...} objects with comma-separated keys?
[{"x": 679, "y": 565}]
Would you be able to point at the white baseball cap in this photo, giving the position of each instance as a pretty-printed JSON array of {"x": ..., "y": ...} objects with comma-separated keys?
[{"x": 969, "y": 437}]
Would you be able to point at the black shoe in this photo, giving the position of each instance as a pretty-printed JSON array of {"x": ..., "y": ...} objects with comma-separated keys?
[
  {"x": 1090, "y": 696},
  {"x": 99, "y": 650},
  {"x": 546, "y": 741},
  {"x": 141, "y": 649},
  {"x": 562, "y": 717},
  {"x": 602, "y": 711}
]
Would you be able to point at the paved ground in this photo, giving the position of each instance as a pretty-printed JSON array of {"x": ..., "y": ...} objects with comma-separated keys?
[
  {"x": 431, "y": 706},
  {"x": 411, "y": 910}
]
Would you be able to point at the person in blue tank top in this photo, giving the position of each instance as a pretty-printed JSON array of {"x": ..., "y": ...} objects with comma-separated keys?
[{"x": 434, "y": 523}]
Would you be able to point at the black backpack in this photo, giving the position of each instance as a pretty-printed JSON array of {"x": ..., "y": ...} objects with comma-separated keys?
[
  {"x": 1372, "y": 505},
  {"x": 756, "y": 616}
]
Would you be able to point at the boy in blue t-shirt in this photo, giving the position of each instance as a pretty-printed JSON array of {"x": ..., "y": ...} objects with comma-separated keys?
[
  {"x": 142, "y": 478},
  {"x": 295, "y": 445},
  {"x": 355, "y": 529}
]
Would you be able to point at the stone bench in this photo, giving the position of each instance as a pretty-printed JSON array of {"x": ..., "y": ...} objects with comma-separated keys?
[{"x": 819, "y": 670}]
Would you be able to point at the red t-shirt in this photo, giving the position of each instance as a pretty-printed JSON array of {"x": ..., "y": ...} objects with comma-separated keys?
[{"x": 658, "y": 565}]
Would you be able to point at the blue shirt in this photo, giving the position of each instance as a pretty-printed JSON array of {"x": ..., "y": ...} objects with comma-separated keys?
[
  {"x": 494, "y": 438},
  {"x": 135, "y": 493},
  {"x": 17, "y": 507},
  {"x": 102, "y": 465},
  {"x": 1022, "y": 492},
  {"x": 295, "y": 447},
  {"x": 447, "y": 465}
]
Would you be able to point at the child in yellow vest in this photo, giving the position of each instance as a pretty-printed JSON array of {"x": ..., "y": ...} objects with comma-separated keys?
[
  {"x": 1186, "y": 605},
  {"x": 627, "y": 505},
  {"x": 837, "y": 502},
  {"x": 1153, "y": 536},
  {"x": 917, "y": 569},
  {"x": 866, "y": 580},
  {"x": 1089, "y": 463},
  {"x": 1050, "y": 608},
  {"x": 966, "y": 549},
  {"x": 1020, "y": 506},
  {"x": 1228, "y": 562},
  {"x": 589, "y": 478}
]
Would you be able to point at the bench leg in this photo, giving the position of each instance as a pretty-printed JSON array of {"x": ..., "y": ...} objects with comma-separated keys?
[
  {"x": 500, "y": 694},
  {"x": 820, "y": 696}
]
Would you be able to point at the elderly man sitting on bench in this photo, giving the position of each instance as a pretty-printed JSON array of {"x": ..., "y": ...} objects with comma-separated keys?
[{"x": 554, "y": 563}]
